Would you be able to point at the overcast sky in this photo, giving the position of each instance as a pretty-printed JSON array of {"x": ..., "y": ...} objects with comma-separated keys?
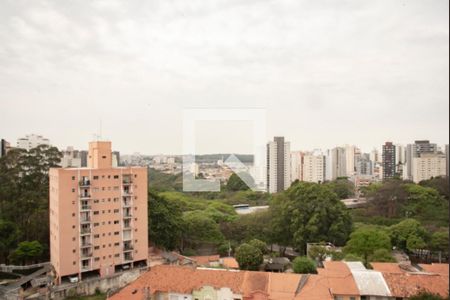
[{"x": 328, "y": 72}]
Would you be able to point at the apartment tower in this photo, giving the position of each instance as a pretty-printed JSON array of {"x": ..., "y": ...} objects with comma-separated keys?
[
  {"x": 98, "y": 217},
  {"x": 278, "y": 165},
  {"x": 388, "y": 156}
]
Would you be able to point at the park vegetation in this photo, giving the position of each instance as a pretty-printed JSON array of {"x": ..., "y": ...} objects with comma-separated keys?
[{"x": 400, "y": 215}]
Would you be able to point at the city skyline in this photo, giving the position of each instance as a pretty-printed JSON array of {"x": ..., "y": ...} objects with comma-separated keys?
[{"x": 328, "y": 74}]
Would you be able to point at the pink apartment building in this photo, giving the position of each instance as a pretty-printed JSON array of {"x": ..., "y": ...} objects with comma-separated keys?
[{"x": 98, "y": 217}]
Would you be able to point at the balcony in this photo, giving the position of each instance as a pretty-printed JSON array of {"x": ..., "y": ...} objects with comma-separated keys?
[
  {"x": 126, "y": 203},
  {"x": 86, "y": 254},
  {"x": 86, "y": 207},
  {"x": 85, "y": 265},
  {"x": 128, "y": 247},
  {"x": 85, "y": 220},
  {"x": 86, "y": 244},
  {"x": 127, "y": 215},
  {"x": 85, "y": 196},
  {"x": 85, "y": 231},
  {"x": 128, "y": 257},
  {"x": 85, "y": 183},
  {"x": 127, "y": 181}
]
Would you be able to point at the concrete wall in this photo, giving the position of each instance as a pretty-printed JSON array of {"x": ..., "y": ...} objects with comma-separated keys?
[{"x": 90, "y": 286}]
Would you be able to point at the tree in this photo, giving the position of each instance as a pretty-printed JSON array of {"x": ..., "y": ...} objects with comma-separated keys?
[
  {"x": 308, "y": 213},
  {"x": 427, "y": 296},
  {"x": 353, "y": 257},
  {"x": 319, "y": 252},
  {"x": 249, "y": 257},
  {"x": 365, "y": 241},
  {"x": 235, "y": 183},
  {"x": 259, "y": 244},
  {"x": 24, "y": 191},
  {"x": 408, "y": 229},
  {"x": 164, "y": 222},
  {"x": 439, "y": 241},
  {"x": 304, "y": 265},
  {"x": 26, "y": 252},
  {"x": 200, "y": 228},
  {"x": 382, "y": 255},
  {"x": 343, "y": 187},
  {"x": 8, "y": 238}
]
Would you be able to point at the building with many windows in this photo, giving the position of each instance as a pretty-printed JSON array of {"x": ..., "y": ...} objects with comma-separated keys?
[
  {"x": 429, "y": 165},
  {"x": 278, "y": 165},
  {"x": 31, "y": 141},
  {"x": 98, "y": 217},
  {"x": 388, "y": 156}
]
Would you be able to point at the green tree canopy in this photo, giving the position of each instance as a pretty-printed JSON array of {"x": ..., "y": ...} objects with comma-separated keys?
[
  {"x": 439, "y": 241},
  {"x": 365, "y": 241},
  {"x": 259, "y": 244},
  {"x": 304, "y": 265},
  {"x": 408, "y": 230},
  {"x": 427, "y": 296},
  {"x": 200, "y": 228},
  {"x": 307, "y": 213},
  {"x": 249, "y": 257},
  {"x": 165, "y": 222},
  {"x": 235, "y": 183},
  {"x": 26, "y": 252},
  {"x": 343, "y": 187}
]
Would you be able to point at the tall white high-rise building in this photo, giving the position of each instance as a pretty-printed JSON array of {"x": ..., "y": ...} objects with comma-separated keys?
[
  {"x": 31, "y": 141},
  {"x": 336, "y": 163},
  {"x": 416, "y": 150},
  {"x": 429, "y": 165},
  {"x": 350, "y": 155},
  {"x": 278, "y": 165},
  {"x": 296, "y": 165},
  {"x": 314, "y": 167}
]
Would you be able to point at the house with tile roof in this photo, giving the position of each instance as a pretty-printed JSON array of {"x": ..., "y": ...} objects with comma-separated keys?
[
  {"x": 336, "y": 281},
  {"x": 407, "y": 281}
]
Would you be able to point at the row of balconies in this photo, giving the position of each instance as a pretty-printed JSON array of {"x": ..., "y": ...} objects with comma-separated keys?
[{"x": 86, "y": 182}]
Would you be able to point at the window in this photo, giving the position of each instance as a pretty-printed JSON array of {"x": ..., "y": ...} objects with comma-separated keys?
[
  {"x": 96, "y": 236},
  {"x": 116, "y": 211},
  {"x": 116, "y": 176},
  {"x": 116, "y": 233},
  {"x": 73, "y": 190},
  {"x": 96, "y": 201},
  {"x": 74, "y": 263},
  {"x": 97, "y": 258},
  {"x": 73, "y": 215},
  {"x": 73, "y": 239},
  {"x": 74, "y": 251},
  {"x": 96, "y": 224},
  {"x": 73, "y": 177},
  {"x": 96, "y": 247},
  {"x": 95, "y": 177},
  {"x": 116, "y": 222},
  {"x": 116, "y": 244},
  {"x": 96, "y": 212},
  {"x": 116, "y": 255}
]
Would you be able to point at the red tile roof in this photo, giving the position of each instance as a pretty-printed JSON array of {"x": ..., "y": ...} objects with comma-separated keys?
[
  {"x": 403, "y": 283},
  {"x": 436, "y": 268},
  {"x": 230, "y": 263},
  {"x": 166, "y": 278},
  {"x": 205, "y": 260},
  {"x": 339, "y": 278}
]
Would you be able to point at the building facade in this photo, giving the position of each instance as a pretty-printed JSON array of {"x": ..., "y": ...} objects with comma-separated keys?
[
  {"x": 416, "y": 150},
  {"x": 4, "y": 147},
  {"x": 314, "y": 167},
  {"x": 336, "y": 163},
  {"x": 429, "y": 165},
  {"x": 297, "y": 166},
  {"x": 32, "y": 141},
  {"x": 278, "y": 165},
  {"x": 98, "y": 217},
  {"x": 388, "y": 156}
]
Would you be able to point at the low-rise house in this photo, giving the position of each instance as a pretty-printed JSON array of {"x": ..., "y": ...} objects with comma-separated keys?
[
  {"x": 407, "y": 281},
  {"x": 336, "y": 281}
]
